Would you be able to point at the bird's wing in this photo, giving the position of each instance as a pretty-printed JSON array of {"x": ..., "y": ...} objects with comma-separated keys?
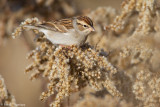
[{"x": 57, "y": 26}]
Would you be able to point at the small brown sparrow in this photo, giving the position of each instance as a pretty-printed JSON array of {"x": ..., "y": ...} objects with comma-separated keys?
[{"x": 71, "y": 31}]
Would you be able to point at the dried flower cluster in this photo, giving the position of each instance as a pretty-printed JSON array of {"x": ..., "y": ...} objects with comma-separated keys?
[
  {"x": 145, "y": 8},
  {"x": 120, "y": 21},
  {"x": 146, "y": 88},
  {"x": 6, "y": 99},
  {"x": 69, "y": 70}
]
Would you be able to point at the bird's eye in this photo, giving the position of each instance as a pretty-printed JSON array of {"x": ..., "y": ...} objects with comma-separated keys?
[{"x": 85, "y": 25}]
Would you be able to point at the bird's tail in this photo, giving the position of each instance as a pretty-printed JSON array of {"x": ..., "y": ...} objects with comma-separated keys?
[{"x": 32, "y": 27}]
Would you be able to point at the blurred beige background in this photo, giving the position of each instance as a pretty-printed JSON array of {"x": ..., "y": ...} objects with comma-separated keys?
[
  {"x": 93, "y": 4},
  {"x": 13, "y": 61}
]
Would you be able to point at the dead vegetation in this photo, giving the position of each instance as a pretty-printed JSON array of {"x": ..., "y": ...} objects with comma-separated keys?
[{"x": 123, "y": 57}]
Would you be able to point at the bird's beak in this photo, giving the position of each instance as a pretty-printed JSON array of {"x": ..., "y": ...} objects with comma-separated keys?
[{"x": 93, "y": 29}]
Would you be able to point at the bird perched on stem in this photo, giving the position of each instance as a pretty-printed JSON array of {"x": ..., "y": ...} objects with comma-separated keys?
[{"x": 70, "y": 31}]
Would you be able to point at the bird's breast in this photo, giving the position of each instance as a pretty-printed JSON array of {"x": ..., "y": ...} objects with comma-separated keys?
[{"x": 69, "y": 38}]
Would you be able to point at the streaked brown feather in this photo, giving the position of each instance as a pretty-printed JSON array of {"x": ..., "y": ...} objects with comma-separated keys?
[
  {"x": 64, "y": 24},
  {"x": 86, "y": 19},
  {"x": 58, "y": 26}
]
